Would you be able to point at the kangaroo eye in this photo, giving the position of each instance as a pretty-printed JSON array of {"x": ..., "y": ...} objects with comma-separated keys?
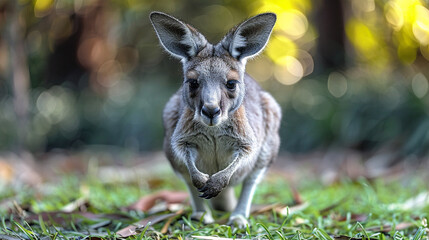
[
  {"x": 193, "y": 84},
  {"x": 231, "y": 84}
]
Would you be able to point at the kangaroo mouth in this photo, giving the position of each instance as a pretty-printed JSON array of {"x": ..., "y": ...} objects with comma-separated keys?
[{"x": 211, "y": 122}]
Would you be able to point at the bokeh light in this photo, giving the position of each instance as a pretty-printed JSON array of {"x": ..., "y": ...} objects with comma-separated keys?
[
  {"x": 288, "y": 70},
  {"x": 394, "y": 15},
  {"x": 292, "y": 25},
  {"x": 420, "y": 85},
  {"x": 421, "y": 25},
  {"x": 43, "y": 7},
  {"x": 337, "y": 84}
]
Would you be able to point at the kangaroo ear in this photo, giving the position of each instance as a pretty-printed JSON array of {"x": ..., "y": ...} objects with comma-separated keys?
[
  {"x": 250, "y": 37},
  {"x": 179, "y": 39}
]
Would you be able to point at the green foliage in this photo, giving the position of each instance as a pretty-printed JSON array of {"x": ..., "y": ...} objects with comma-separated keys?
[{"x": 368, "y": 115}]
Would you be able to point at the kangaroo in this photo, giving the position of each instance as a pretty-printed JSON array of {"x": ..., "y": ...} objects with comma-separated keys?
[{"x": 221, "y": 128}]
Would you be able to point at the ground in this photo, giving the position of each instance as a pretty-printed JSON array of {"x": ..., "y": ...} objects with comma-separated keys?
[{"x": 338, "y": 194}]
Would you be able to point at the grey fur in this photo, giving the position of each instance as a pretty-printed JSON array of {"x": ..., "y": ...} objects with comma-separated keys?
[{"x": 221, "y": 128}]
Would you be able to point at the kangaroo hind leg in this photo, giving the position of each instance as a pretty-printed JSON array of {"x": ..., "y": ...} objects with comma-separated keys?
[
  {"x": 242, "y": 210},
  {"x": 225, "y": 201}
]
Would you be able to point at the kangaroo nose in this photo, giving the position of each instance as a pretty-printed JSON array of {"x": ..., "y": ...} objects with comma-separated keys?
[{"x": 210, "y": 112}]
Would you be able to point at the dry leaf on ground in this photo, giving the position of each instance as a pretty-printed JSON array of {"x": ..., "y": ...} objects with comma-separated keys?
[
  {"x": 388, "y": 228},
  {"x": 133, "y": 229},
  {"x": 148, "y": 202}
]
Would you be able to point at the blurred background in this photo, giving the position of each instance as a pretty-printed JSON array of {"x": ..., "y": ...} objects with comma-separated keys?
[{"x": 349, "y": 74}]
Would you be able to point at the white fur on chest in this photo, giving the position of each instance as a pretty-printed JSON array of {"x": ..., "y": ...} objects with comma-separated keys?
[{"x": 215, "y": 151}]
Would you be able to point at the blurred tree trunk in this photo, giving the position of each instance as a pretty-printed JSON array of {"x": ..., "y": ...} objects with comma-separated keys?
[
  {"x": 329, "y": 20},
  {"x": 63, "y": 63},
  {"x": 19, "y": 73}
]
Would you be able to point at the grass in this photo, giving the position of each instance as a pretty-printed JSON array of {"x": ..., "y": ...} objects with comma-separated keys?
[{"x": 360, "y": 209}]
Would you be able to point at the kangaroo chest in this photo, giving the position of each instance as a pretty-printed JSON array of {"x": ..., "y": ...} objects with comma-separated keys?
[{"x": 215, "y": 152}]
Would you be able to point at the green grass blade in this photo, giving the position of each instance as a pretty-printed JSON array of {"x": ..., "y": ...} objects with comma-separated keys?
[
  {"x": 229, "y": 232},
  {"x": 398, "y": 236},
  {"x": 286, "y": 219},
  {"x": 5, "y": 228},
  {"x": 189, "y": 223},
  {"x": 299, "y": 235},
  {"x": 201, "y": 222},
  {"x": 248, "y": 231},
  {"x": 364, "y": 231},
  {"x": 419, "y": 234},
  {"x": 321, "y": 234},
  {"x": 73, "y": 226},
  {"x": 27, "y": 232},
  {"x": 274, "y": 215},
  {"x": 43, "y": 226},
  {"x": 266, "y": 229},
  {"x": 379, "y": 236},
  {"x": 59, "y": 233},
  {"x": 145, "y": 229},
  {"x": 284, "y": 223},
  {"x": 280, "y": 235},
  {"x": 141, "y": 235}
]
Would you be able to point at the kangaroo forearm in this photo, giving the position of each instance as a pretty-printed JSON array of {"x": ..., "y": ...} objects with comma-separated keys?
[
  {"x": 192, "y": 168},
  {"x": 218, "y": 181},
  {"x": 189, "y": 161},
  {"x": 239, "y": 162},
  {"x": 186, "y": 155}
]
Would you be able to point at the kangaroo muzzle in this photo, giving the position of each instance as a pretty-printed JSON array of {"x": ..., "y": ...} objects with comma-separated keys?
[{"x": 210, "y": 114}]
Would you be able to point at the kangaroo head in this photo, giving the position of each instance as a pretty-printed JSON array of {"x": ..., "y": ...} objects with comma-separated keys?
[{"x": 213, "y": 85}]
